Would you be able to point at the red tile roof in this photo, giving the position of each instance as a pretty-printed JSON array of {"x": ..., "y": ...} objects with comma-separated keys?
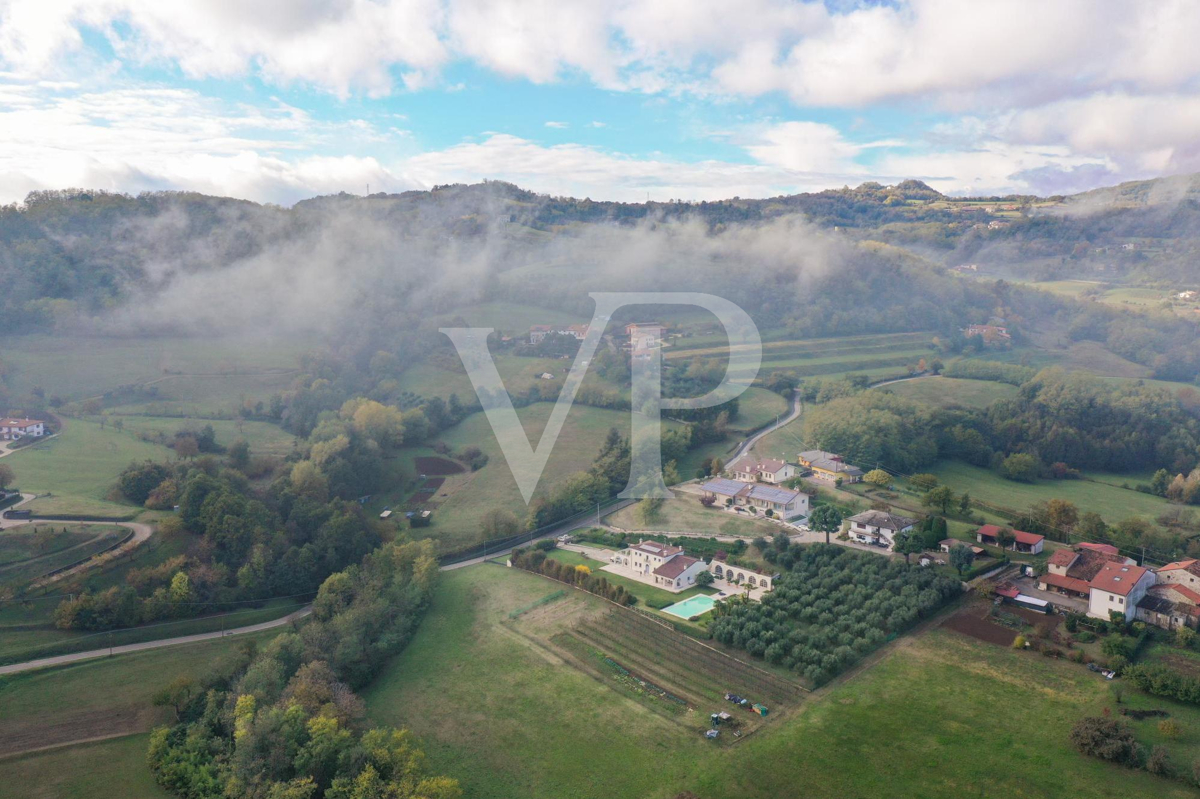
[
  {"x": 655, "y": 548},
  {"x": 1063, "y": 557},
  {"x": 1107, "y": 549},
  {"x": 1022, "y": 537},
  {"x": 1062, "y": 581},
  {"x": 1182, "y": 590},
  {"x": 1192, "y": 566},
  {"x": 675, "y": 566},
  {"x": 1117, "y": 578}
]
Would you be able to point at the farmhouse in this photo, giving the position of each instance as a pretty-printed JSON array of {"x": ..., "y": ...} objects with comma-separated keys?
[
  {"x": 1118, "y": 587},
  {"x": 783, "y": 503},
  {"x": 660, "y": 565},
  {"x": 12, "y": 429},
  {"x": 1022, "y": 541},
  {"x": 878, "y": 527},
  {"x": 765, "y": 470},
  {"x": 830, "y": 466},
  {"x": 644, "y": 337},
  {"x": 538, "y": 333},
  {"x": 1182, "y": 572},
  {"x": 1169, "y": 606},
  {"x": 988, "y": 333},
  {"x": 947, "y": 543}
]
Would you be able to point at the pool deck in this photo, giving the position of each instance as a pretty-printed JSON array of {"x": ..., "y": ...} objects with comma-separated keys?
[{"x": 700, "y": 599}]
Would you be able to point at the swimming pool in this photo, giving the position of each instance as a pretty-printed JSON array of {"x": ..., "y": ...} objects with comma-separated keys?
[{"x": 692, "y": 606}]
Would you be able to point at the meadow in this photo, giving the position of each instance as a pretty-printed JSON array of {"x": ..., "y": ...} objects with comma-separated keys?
[
  {"x": 1106, "y": 498},
  {"x": 757, "y": 407},
  {"x": 939, "y": 715},
  {"x": 30, "y": 551},
  {"x": 950, "y": 392},
  {"x": 79, "y": 467},
  {"x": 264, "y": 438},
  {"x": 685, "y": 514}
]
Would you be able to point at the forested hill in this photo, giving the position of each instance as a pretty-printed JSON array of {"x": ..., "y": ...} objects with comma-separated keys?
[{"x": 865, "y": 259}]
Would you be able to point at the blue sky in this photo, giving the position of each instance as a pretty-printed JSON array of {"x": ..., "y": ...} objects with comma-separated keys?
[{"x": 616, "y": 99}]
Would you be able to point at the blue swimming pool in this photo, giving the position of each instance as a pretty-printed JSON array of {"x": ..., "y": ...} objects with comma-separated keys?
[{"x": 692, "y": 606}]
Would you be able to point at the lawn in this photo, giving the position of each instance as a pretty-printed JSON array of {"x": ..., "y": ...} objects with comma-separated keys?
[
  {"x": 30, "y": 551},
  {"x": 951, "y": 392},
  {"x": 456, "y": 520},
  {"x": 685, "y": 514},
  {"x": 264, "y": 438},
  {"x": 517, "y": 372},
  {"x": 758, "y": 407},
  {"x": 113, "y": 769},
  {"x": 1111, "y": 502},
  {"x": 79, "y": 467},
  {"x": 644, "y": 593},
  {"x": 940, "y": 716}
]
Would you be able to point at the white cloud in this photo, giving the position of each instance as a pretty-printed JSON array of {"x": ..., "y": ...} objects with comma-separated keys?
[{"x": 557, "y": 125}]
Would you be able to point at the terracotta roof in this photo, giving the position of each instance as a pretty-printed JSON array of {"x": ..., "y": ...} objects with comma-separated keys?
[
  {"x": 1063, "y": 557},
  {"x": 1090, "y": 562},
  {"x": 9, "y": 422},
  {"x": 1107, "y": 549},
  {"x": 655, "y": 548},
  {"x": 1190, "y": 566},
  {"x": 1022, "y": 537},
  {"x": 1185, "y": 592},
  {"x": 675, "y": 566},
  {"x": 1062, "y": 581},
  {"x": 1007, "y": 589},
  {"x": 1117, "y": 579}
]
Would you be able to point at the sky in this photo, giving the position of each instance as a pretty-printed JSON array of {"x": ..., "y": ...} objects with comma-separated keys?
[{"x": 279, "y": 100}]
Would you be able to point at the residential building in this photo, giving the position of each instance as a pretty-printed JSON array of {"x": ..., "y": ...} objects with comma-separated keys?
[
  {"x": 644, "y": 337},
  {"x": 1188, "y": 296},
  {"x": 878, "y": 527},
  {"x": 947, "y": 543},
  {"x": 1118, "y": 587},
  {"x": 989, "y": 333},
  {"x": 765, "y": 470},
  {"x": 830, "y": 466},
  {"x": 1181, "y": 572},
  {"x": 539, "y": 332},
  {"x": 12, "y": 429},
  {"x": 1030, "y": 543},
  {"x": 783, "y": 503},
  {"x": 660, "y": 565}
]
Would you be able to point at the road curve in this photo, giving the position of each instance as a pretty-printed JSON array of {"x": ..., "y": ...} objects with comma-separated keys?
[
  {"x": 749, "y": 443},
  {"x": 74, "y": 657}
]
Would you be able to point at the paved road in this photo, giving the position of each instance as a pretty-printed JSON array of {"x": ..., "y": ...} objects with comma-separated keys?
[
  {"x": 902, "y": 379},
  {"x": 749, "y": 443},
  {"x": 75, "y": 657}
]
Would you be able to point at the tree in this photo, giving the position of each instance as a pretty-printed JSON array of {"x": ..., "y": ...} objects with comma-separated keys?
[
  {"x": 1005, "y": 537},
  {"x": 826, "y": 519},
  {"x": 924, "y": 482},
  {"x": 239, "y": 454},
  {"x": 878, "y": 477},
  {"x": 1108, "y": 739},
  {"x": 6, "y": 476},
  {"x": 1062, "y": 515},
  {"x": 1021, "y": 467},
  {"x": 941, "y": 498},
  {"x": 964, "y": 504},
  {"x": 499, "y": 523},
  {"x": 649, "y": 511},
  {"x": 186, "y": 447},
  {"x": 704, "y": 578},
  {"x": 176, "y": 694},
  {"x": 908, "y": 544},
  {"x": 961, "y": 558}
]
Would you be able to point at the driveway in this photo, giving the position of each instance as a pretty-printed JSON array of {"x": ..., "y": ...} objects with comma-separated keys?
[{"x": 1028, "y": 586}]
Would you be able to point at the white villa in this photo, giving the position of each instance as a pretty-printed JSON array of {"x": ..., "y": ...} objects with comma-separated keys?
[
  {"x": 878, "y": 528},
  {"x": 660, "y": 565},
  {"x": 12, "y": 429},
  {"x": 783, "y": 503},
  {"x": 766, "y": 470}
]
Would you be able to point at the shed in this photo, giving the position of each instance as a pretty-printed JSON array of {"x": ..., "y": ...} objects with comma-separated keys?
[{"x": 760, "y": 709}]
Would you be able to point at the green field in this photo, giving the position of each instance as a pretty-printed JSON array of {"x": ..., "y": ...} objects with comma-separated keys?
[
  {"x": 940, "y": 716},
  {"x": 30, "y": 551},
  {"x": 518, "y": 373},
  {"x": 1107, "y": 499},
  {"x": 950, "y": 392},
  {"x": 79, "y": 467},
  {"x": 205, "y": 373},
  {"x": 113, "y": 769},
  {"x": 471, "y": 495},
  {"x": 882, "y": 353},
  {"x": 758, "y": 407},
  {"x": 264, "y": 438},
  {"x": 685, "y": 514}
]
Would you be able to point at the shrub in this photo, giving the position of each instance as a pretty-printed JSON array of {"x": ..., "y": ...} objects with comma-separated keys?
[
  {"x": 1160, "y": 762},
  {"x": 1107, "y": 739},
  {"x": 1019, "y": 642},
  {"x": 1169, "y": 728}
]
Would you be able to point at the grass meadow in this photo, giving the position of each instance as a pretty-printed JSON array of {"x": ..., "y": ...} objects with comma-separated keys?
[
  {"x": 685, "y": 514},
  {"x": 79, "y": 468},
  {"x": 940, "y": 715},
  {"x": 951, "y": 392}
]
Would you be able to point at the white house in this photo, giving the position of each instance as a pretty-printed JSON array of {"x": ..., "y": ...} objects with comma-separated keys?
[
  {"x": 1118, "y": 587},
  {"x": 539, "y": 332},
  {"x": 660, "y": 565},
  {"x": 765, "y": 470},
  {"x": 879, "y": 527},
  {"x": 12, "y": 429},
  {"x": 783, "y": 503}
]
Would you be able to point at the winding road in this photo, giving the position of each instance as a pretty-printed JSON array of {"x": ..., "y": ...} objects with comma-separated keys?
[{"x": 749, "y": 443}]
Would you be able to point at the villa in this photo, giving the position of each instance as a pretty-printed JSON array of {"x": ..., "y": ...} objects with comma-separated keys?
[
  {"x": 782, "y": 503},
  {"x": 660, "y": 565},
  {"x": 765, "y": 470},
  {"x": 12, "y": 429}
]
